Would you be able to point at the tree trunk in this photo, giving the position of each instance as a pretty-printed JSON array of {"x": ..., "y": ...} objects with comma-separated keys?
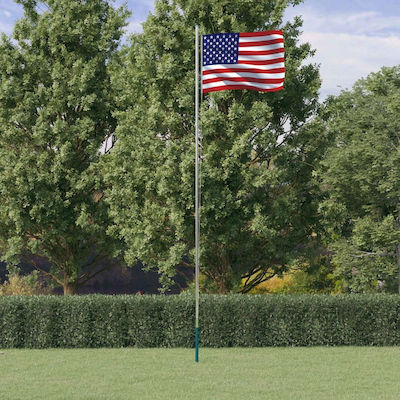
[
  {"x": 221, "y": 285},
  {"x": 69, "y": 289},
  {"x": 222, "y": 279}
]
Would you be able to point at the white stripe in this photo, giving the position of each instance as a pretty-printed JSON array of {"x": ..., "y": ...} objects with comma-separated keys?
[
  {"x": 259, "y": 38},
  {"x": 260, "y": 58},
  {"x": 262, "y": 48},
  {"x": 233, "y": 66},
  {"x": 244, "y": 75},
  {"x": 228, "y": 83}
]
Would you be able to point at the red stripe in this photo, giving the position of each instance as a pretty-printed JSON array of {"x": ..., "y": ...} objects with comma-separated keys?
[
  {"x": 243, "y": 79},
  {"x": 262, "y": 62},
  {"x": 253, "y": 70},
  {"x": 260, "y": 43},
  {"x": 238, "y": 87},
  {"x": 261, "y": 53},
  {"x": 264, "y": 33}
]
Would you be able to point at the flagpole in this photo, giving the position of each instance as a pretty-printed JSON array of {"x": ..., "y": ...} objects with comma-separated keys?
[{"x": 197, "y": 197}]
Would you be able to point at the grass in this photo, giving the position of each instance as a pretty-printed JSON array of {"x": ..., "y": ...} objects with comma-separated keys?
[{"x": 319, "y": 373}]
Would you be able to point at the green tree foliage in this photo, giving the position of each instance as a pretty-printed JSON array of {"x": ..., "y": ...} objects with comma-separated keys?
[
  {"x": 17, "y": 284},
  {"x": 257, "y": 210},
  {"x": 55, "y": 112},
  {"x": 360, "y": 175}
]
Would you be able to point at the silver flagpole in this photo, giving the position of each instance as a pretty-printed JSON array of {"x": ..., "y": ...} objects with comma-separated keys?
[{"x": 197, "y": 197}]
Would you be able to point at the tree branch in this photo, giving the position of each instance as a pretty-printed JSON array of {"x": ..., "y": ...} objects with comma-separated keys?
[
  {"x": 88, "y": 277},
  {"x": 36, "y": 266},
  {"x": 361, "y": 254}
]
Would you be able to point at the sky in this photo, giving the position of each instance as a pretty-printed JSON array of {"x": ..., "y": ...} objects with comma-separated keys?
[{"x": 352, "y": 38}]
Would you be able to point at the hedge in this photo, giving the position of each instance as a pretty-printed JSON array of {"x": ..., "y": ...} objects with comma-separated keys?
[{"x": 167, "y": 321}]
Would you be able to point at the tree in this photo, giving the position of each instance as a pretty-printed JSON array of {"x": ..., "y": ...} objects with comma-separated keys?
[
  {"x": 256, "y": 205},
  {"x": 360, "y": 176},
  {"x": 56, "y": 110}
]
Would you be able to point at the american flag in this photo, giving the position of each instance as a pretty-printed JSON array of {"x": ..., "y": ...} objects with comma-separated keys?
[{"x": 253, "y": 61}]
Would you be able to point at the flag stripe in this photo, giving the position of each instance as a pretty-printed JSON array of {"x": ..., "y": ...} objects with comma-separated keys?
[
  {"x": 259, "y": 39},
  {"x": 232, "y": 82},
  {"x": 244, "y": 75},
  {"x": 260, "y": 52},
  {"x": 236, "y": 67},
  {"x": 260, "y": 42},
  {"x": 242, "y": 79},
  {"x": 253, "y": 61},
  {"x": 261, "y": 48},
  {"x": 262, "y": 33},
  {"x": 240, "y": 87},
  {"x": 244, "y": 71},
  {"x": 259, "y": 62},
  {"x": 259, "y": 58}
]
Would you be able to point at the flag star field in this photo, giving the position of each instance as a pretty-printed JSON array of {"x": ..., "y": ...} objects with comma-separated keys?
[{"x": 220, "y": 48}]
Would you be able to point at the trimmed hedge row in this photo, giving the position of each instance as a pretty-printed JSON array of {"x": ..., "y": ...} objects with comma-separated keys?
[{"x": 168, "y": 321}]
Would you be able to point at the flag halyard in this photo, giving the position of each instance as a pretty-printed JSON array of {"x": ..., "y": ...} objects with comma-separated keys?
[{"x": 247, "y": 60}]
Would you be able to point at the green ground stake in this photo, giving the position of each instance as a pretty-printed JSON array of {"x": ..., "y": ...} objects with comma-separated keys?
[{"x": 197, "y": 345}]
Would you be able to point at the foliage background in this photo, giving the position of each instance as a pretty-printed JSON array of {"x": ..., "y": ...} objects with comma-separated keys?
[{"x": 257, "y": 208}]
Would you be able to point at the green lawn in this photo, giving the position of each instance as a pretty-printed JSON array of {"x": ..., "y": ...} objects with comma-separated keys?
[{"x": 170, "y": 374}]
